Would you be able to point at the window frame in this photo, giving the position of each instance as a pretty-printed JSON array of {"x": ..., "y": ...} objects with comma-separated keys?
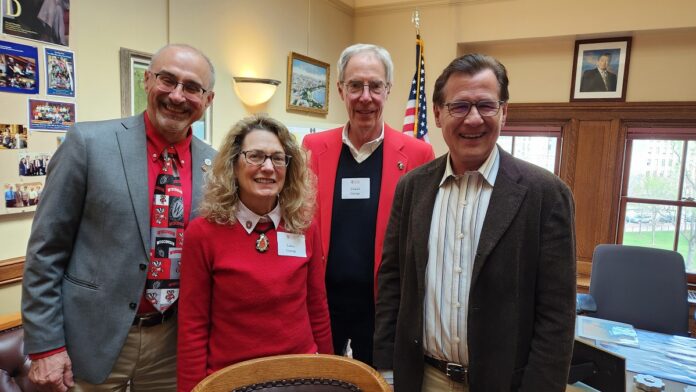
[
  {"x": 679, "y": 132},
  {"x": 551, "y": 131}
]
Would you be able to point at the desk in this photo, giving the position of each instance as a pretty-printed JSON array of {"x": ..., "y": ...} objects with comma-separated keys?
[
  {"x": 671, "y": 358},
  {"x": 670, "y": 386}
]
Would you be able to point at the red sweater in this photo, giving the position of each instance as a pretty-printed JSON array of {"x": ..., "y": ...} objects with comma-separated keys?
[{"x": 237, "y": 304}]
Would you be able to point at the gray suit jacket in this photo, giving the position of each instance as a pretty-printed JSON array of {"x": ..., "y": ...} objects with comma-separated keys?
[
  {"x": 521, "y": 312},
  {"x": 83, "y": 275}
]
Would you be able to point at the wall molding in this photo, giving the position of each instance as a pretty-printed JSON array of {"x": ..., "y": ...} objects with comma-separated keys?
[
  {"x": 413, "y": 5},
  {"x": 341, "y": 6},
  {"x": 11, "y": 270}
]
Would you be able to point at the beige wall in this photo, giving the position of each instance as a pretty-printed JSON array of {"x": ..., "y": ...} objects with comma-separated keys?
[
  {"x": 242, "y": 37},
  {"x": 254, "y": 38},
  {"x": 535, "y": 40}
]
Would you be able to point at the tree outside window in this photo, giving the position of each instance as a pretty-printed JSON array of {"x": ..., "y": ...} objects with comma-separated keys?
[{"x": 658, "y": 207}]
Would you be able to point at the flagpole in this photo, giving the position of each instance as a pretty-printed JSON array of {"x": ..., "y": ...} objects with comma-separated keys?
[{"x": 415, "y": 117}]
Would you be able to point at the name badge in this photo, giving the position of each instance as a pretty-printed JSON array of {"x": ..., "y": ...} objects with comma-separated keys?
[
  {"x": 290, "y": 244},
  {"x": 355, "y": 188}
]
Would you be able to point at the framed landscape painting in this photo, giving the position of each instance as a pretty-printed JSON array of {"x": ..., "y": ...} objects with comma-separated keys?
[{"x": 308, "y": 81}]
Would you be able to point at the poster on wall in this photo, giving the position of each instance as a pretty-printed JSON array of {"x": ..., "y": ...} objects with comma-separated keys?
[
  {"x": 52, "y": 116},
  {"x": 12, "y": 137},
  {"x": 60, "y": 72},
  {"x": 40, "y": 20},
  {"x": 18, "y": 68}
]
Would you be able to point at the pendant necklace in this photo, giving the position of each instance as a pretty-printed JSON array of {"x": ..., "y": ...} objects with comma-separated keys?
[{"x": 262, "y": 243}]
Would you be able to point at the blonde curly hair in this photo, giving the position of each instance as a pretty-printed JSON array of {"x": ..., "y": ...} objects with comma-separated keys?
[{"x": 221, "y": 194}]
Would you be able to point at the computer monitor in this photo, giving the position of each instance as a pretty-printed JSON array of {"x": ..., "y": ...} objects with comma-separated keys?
[{"x": 597, "y": 368}]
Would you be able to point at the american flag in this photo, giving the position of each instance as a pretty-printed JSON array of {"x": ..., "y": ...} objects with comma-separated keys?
[{"x": 416, "y": 117}]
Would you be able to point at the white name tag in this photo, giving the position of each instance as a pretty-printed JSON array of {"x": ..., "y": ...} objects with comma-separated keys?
[
  {"x": 290, "y": 244},
  {"x": 355, "y": 188}
]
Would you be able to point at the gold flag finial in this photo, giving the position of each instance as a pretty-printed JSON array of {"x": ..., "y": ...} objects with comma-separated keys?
[{"x": 415, "y": 19}]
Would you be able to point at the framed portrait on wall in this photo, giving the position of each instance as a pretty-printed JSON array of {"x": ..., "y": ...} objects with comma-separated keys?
[
  {"x": 308, "y": 81},
  {"x": 600, "y": 69},
  {"x": 133, "y": 65}
]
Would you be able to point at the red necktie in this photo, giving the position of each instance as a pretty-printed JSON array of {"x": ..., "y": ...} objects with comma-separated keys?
[{"x": 166, "y": 235}]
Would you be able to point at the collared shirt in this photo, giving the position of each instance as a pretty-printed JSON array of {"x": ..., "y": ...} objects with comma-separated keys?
[
  {"x": 458, "y": 214},
  {"x": 249, "y": 219},
  {"x": 366, "y": 149},
  {"x": 155, "y": 145}
]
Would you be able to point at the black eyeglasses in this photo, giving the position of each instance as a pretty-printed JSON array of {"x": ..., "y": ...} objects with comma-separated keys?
[
  {"x": 484, "y": 108},
  {"x": 356, "y": 87},
  {"x": 258, "y": 158},
  {"x": 169, "y": 83}
]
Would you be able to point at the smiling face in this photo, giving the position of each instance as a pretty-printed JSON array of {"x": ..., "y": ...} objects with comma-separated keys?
[
  {"x": 470, "y": 139},
  {"x": 171, "y": 113},
  {"x": 259, "y": 186},
  {"x": 364, "y": 109}
]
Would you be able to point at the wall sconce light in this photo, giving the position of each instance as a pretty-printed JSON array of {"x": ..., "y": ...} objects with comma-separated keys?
[{"x": 255, "y": 91}]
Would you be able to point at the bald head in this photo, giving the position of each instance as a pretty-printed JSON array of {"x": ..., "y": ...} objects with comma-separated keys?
[{"x": 187, "y": 48}]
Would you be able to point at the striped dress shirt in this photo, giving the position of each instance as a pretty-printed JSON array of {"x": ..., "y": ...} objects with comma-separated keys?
[{"x": 458, "y": 214}]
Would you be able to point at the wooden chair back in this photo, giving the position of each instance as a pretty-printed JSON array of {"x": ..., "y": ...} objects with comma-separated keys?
[{"x": 297, "y": 372}]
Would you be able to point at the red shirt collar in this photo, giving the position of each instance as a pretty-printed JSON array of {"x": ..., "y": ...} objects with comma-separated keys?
[{"x": 160, "y": 143}]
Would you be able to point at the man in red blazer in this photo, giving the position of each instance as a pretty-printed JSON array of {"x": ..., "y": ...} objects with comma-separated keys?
[{"x": 358, "y": 166}]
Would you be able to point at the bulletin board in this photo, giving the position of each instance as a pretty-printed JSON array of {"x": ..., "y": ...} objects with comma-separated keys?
[
  {"x": 38, "y": 88},
  {"x": 23, "y": 166}
]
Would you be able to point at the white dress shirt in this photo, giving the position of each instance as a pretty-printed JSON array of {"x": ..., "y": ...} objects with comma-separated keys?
[
  {"x": 366, "y": 149},
  {"x": 458, "y": 215}
]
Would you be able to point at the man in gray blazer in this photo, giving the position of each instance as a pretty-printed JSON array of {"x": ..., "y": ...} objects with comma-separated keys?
[
  {"x": 83, "y": 303},
  {"x": 477, "y": 285}
]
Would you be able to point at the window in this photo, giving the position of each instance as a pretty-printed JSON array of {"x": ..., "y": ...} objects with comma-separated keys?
[
  {"x": 539, "y": 145},
  {"x": 658, "y": 207}
]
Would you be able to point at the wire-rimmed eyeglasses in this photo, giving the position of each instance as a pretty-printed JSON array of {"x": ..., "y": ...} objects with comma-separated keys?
[{"x": 356, "y": 87}]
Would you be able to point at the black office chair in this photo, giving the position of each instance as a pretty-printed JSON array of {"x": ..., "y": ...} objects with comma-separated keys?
[{"x": 644, "y": 287}]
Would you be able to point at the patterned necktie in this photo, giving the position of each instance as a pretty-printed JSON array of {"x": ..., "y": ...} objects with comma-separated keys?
[
  {"x": 605, "y": 79},
  {"x": 166, "y": 235}
]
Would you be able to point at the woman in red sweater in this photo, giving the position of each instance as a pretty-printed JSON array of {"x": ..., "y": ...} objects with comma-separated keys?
[{"x": 252, "y": 273}]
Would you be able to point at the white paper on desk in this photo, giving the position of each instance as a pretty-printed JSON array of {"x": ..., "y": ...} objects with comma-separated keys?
[{"x": 607, "y": 331}]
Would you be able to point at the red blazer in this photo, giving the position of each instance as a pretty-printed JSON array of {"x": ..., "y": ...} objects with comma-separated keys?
[{"x": 402, "y": 153}]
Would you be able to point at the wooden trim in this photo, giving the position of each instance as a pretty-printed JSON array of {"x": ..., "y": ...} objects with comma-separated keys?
[
  {"x": 584, "y": 271},
  {"x": 11, "y": 270},
  {"x": 10, "y": 320},
  {"x": 635, "y": 112}
]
